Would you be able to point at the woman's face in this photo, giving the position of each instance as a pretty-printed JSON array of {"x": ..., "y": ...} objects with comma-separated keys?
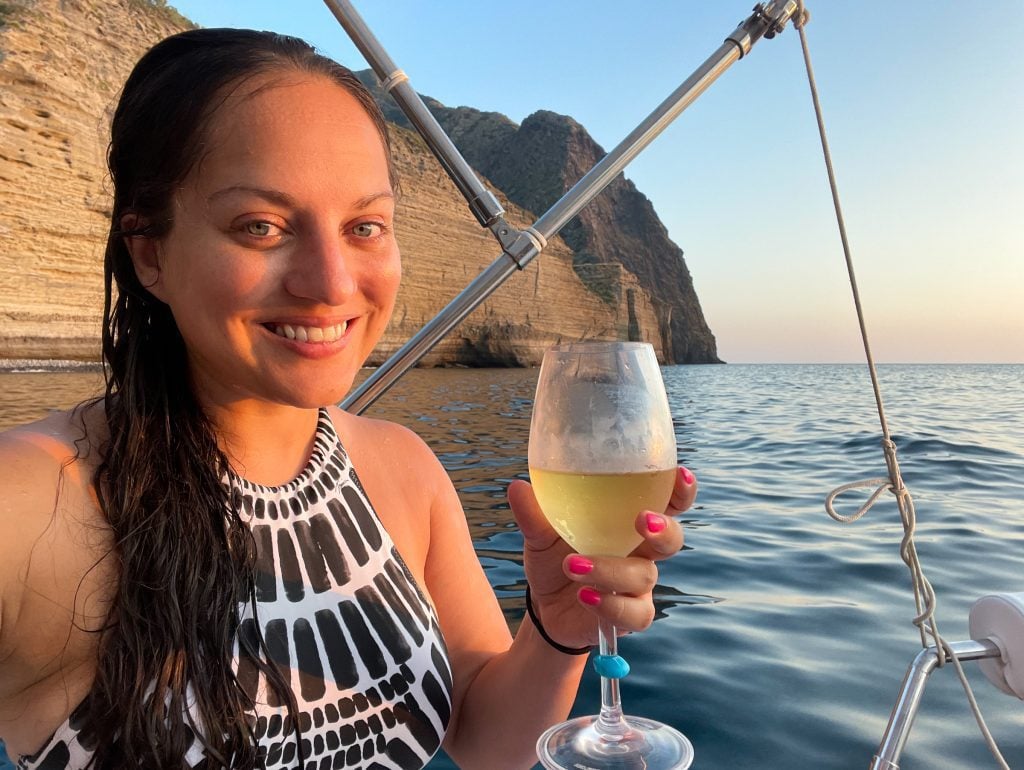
[{"x": 281, "y": 266}]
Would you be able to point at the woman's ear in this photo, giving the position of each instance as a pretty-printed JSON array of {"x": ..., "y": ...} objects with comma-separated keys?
[{"x": 145, "y": 252}]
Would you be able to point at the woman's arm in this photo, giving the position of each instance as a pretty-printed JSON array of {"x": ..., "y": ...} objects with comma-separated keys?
[
  {"x": 30, "y": 464},
  {"x": 501, "y": 699},
  {"x": 54, "y": 579},
  {"x": 506, "y": 695},
  {"x": 505, "y": 692}
]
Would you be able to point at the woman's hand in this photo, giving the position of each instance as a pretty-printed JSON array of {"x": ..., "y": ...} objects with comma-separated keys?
[{"x": 570, "y": 591}]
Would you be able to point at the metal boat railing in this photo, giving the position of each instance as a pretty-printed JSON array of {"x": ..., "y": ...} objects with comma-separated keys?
[
  {"x": 520, "y": 247},
  {"x": 909, "y": 699}
]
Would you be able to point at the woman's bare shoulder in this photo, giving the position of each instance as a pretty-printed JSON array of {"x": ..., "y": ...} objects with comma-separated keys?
[
  {"x": 33, "y": 453},
  {"x": 46, "y": 472},
  {"x": 405, "y": 481},
  {"x": 384, "y": 443}
]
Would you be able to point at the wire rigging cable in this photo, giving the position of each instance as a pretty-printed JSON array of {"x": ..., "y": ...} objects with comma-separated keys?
[{"x": 924, "y": 595}]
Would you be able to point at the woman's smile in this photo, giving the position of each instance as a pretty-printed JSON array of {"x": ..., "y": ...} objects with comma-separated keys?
[
  {"x": 312, "y": 339},
  {"x": 311, "y": 334}
]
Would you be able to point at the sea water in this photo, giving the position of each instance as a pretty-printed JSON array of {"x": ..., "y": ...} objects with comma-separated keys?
[{"x": 781, "y": 636}]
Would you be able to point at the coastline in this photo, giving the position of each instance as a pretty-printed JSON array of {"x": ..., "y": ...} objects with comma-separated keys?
[{"x": 48, "y": 365}]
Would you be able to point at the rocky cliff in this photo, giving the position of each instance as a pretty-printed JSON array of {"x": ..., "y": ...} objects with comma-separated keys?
[{"x": 615, "y": 274}]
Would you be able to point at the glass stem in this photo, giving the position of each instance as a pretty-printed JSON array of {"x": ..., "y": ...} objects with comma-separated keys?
[{"x": 610, "y": 724}]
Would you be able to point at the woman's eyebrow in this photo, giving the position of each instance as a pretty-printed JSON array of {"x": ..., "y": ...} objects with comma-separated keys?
[
  {"x": 274, "y": 196},
  {"x": 284, "y": 199},
  {"x": 369, "y": 200}
]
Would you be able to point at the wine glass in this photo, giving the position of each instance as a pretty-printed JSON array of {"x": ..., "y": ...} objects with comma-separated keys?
[{"x": 602, "y": 449}]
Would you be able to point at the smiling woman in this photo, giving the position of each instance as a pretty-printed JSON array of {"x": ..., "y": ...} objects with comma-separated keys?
[{"x": 212, "y": 566}]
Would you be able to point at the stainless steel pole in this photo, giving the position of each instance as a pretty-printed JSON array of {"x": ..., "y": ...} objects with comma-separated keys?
[
  {"x": 612, "y": 164},
  {"x": 767, "y": 19},
  {"x": 484, "y": 205},
  {"x": 902, "y": 719}
]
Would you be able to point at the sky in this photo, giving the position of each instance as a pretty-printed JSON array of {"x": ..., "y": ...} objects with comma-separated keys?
[{"x": 924, "y": 109}]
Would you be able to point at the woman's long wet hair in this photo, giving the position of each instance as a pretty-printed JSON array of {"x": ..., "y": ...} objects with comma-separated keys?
[{"x": 186, "y": 559}]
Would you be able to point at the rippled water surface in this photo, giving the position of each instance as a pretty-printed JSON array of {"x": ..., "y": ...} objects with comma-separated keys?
[{"x": 782, "y": 637}]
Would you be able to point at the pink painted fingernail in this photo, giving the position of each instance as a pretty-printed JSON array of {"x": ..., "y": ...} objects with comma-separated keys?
[
  {"x": 590, "y": 596},
  {"x": 580, "y": 565},
  {"x": 655, "y": 522},
  {"x": 687, "y": 476}
]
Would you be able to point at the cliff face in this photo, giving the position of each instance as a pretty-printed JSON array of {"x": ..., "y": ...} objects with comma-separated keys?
[
  {"x": 443, "y": 249},
  {"x": 61, "y": 63},
  {"x": 618, "y": 234}
]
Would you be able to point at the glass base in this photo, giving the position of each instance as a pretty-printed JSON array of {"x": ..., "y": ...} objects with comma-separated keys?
[{"x": 645, "y": 745}]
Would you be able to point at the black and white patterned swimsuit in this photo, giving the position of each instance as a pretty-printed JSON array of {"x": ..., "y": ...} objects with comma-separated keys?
[{"x": 344, "y": 620}]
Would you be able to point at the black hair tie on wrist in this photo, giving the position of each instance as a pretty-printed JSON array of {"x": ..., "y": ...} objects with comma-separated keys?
[{"x": 544, "y": 634}]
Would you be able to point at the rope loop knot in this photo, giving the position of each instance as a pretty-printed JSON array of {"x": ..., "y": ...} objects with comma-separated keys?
[{"x": 883, "y": 485}]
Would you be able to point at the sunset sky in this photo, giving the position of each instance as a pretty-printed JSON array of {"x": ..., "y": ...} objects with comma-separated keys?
[{"x": 924, "y": 109}]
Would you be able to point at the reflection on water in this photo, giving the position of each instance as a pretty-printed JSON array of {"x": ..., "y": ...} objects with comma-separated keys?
[
  {"x": 28, "y": 396},
  {"x": 782, "y": 637}
]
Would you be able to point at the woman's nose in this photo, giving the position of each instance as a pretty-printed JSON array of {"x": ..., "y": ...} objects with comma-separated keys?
[{"x": 320, "y": 270}]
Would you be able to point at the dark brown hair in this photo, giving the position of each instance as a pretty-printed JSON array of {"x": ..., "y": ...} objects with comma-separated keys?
[{"x": 185, "y": 557}]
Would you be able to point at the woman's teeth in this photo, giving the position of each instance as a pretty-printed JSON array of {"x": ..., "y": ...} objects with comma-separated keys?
[{"x": 311, "y": 333}]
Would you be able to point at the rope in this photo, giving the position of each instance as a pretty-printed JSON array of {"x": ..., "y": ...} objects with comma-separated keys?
[
  {"x": 392, "y": 80},
  {"x": 537, "y": 237},
  {"x": 924, "y": 595}
]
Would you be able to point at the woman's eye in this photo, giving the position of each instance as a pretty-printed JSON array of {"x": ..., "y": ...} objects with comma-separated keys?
[
  {"x": 259, "y": 229},
  {"x": 368, "y": 229}
]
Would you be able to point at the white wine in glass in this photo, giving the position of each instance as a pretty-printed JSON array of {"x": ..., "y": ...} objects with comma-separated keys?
[
  {"x": 602, "y": 450},
  {"x": 591, "y": 511}
]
